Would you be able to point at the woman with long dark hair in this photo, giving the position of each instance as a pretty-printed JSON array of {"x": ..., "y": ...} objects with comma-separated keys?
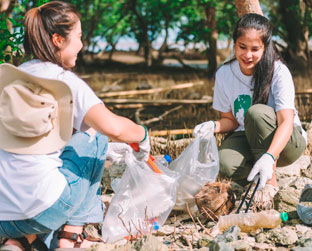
[{"x": 254, "y": 92}]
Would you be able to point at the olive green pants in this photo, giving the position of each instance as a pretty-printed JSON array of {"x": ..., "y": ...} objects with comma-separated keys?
[{"x": 239, "y": 150}]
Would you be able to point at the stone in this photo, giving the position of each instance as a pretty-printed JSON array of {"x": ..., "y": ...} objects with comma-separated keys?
[
  {"x": 220, "y": 246},
  {"x": 304, "y": 232},
  {"x": 284, "y": 182},
  {"x": 301, "y": 249},
  {"x": 229, "y": 235},
  {"x": 300, "y": 182},
  {"x": 305, "y": 242},
  {"x": 240, "y": 245},
  {"x": 286, "y": 200},
  {"x": 291, "y": 170},
  {"x": 283, "y": 236},
  {"x": 150, "y": 243},
  {"x": 261, "y": 237},
  {"x": 263, "y": 246}
]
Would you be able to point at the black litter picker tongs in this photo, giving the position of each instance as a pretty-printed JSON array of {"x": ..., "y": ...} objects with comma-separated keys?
[{"x": 251, "y": 198}]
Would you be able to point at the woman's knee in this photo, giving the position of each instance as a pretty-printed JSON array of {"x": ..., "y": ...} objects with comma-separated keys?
[
  {"x": 258, "y": 112},
  {"x": 226, "y": 165}
]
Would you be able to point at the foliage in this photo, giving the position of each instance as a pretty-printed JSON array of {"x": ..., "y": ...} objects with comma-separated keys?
[{"x": 195, "y": 22}]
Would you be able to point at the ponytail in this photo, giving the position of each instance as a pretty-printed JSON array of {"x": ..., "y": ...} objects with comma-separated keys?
[{"x": 41, "y": 23}]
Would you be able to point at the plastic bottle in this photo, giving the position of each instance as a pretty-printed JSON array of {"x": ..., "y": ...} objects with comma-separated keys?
[
  {"x": 165, "y": 160},
  {"x": 248, "y": 222}
]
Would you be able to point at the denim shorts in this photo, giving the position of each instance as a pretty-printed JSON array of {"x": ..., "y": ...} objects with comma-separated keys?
[{"x": 83, "y": 166}]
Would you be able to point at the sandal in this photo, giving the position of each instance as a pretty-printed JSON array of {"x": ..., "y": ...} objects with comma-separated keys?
[
  {"x": 77, "y": 238},
  {"x": 25, "y": 244}
]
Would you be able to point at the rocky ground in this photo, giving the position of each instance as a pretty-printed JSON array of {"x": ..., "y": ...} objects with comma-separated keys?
[
  {"x": 185, "y": 231},
  {"x": 192, "y": 231}
]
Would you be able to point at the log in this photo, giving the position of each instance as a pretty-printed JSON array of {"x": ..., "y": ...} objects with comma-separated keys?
[
  {"x": 158, "y": 102},
  {"x": 149, "y": 91},
  {"x": 171, "y": 132}
]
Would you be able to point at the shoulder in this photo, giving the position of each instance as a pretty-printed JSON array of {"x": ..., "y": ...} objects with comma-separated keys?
[
  {"x": 225, "y": 72},
  {"x": 42, "y": 69},
  {"x": 280, "y": 69},
  {"x": 224, "y": 69}
]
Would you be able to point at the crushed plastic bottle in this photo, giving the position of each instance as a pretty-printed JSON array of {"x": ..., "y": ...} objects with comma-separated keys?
[
  {"x": 249, "y": 222},
  {"x": 164, "y": 160}
]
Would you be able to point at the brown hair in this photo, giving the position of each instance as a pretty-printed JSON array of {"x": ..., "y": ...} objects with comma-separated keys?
[{"x": 42, "y": 22}]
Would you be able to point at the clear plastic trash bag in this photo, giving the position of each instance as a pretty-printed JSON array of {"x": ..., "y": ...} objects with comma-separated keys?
[
  {"x": 196, "y": 165},
  {"x": 143, "y": 199}
]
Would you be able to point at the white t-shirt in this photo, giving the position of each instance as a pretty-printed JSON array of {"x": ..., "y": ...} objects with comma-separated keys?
[
  {"x": 233, "y": 92},
  {"x": 29, "y": 184}
]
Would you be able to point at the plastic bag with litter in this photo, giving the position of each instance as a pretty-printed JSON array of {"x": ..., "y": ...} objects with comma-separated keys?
[
  {"x": 196, "y": 165},
  {"x": 143, "y": 199}
]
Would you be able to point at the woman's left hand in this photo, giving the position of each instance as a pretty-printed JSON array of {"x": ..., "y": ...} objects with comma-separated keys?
[{"x": 264, "y": 168}]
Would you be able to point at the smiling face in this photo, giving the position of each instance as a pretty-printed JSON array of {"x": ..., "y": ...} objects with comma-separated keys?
[
  {"x": 249, "y": 49},
  {"x": 70, "y": 47}
]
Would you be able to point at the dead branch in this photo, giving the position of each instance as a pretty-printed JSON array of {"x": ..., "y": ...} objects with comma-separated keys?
[
  {"x": 208, "y": 214},
  {"x": 149, "y": 91},
  {"x": 163, "y": 102},
  {"x": 160, "y": 117},
  {"x": 188, "y": 210},
  {"x": 137, "y": 116},
  {"x": 171, "y": 132},
  {"x": 202, "y": 225}
]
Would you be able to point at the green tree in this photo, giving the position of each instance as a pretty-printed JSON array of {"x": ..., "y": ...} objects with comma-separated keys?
[{"x": 203, "y": 22}]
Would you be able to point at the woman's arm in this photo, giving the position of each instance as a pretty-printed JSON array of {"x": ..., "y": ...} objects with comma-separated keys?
[
  {"x": 227, "y": 123},
  {"x": 115, "y": 127},
  {"x": 285, "y": 124}
]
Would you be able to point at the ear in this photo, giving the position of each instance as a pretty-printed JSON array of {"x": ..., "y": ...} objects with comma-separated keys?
[{"x": 57, "y": 40}]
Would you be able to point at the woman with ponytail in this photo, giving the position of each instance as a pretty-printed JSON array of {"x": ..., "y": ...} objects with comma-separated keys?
[
  {"x": 54, "y": 135},
  {"x": 254, "y": 92}
]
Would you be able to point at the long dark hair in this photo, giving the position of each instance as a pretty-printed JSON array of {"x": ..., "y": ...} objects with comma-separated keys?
[
  {"x": 42, "y": 22},
  {"x": 264, "y": 69}
]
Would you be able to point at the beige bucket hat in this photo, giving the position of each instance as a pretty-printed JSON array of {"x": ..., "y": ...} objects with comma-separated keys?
[{"x": 36, "y": 114}]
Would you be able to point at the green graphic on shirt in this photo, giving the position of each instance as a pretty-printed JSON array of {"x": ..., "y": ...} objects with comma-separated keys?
[{"x": 242, "y": 102}]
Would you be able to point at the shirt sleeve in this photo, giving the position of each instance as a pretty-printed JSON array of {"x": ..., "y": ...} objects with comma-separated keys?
[
  {"x": 283, "y": 89},
  {"x": 83, "y": 97},
  {"x": 221, "y": 101}
]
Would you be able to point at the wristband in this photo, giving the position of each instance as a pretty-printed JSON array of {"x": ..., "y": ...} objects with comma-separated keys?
[
  {"x": 145, "y": 133},
  {"x": 270, "y": 155},
  {"x": 213, "y": 123}
]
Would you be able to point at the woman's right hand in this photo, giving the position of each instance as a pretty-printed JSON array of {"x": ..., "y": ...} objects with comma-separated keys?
[{"x": 144, "y": 149}]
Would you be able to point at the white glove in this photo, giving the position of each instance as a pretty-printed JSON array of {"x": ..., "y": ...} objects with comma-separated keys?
[
  {"x": 144, "y": 149},
  {"x": 205, "y": 129},
  {"x": 116, "y": 152},
  {"x": 264, "y": 168}
]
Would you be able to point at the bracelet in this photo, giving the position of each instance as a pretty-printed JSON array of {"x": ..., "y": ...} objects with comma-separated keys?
[
  {"x": 145, "y": 133},
  {"x": 213, "y": 123},
  {"x": 270, "y": 155}
]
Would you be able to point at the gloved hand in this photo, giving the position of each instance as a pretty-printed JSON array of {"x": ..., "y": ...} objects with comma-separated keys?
[
  {"x": 204, "y": 129},
  {"x": 116, "y": 152},
  {"x": 144, "y": 148},
  {"x": 264, "y": 168}
]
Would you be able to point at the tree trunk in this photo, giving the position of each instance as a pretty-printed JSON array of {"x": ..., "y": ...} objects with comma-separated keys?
[
  {"x": 145, "y": 41},
  {"x": 296, "y": 32},
  {"x": 247, "y": 6},
  {"x": 211, "y": 22},
  {"x": 163, "y": 47}
]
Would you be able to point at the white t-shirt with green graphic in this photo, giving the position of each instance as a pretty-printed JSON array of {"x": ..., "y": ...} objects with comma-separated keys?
[{"x": 233, "y": 91}]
